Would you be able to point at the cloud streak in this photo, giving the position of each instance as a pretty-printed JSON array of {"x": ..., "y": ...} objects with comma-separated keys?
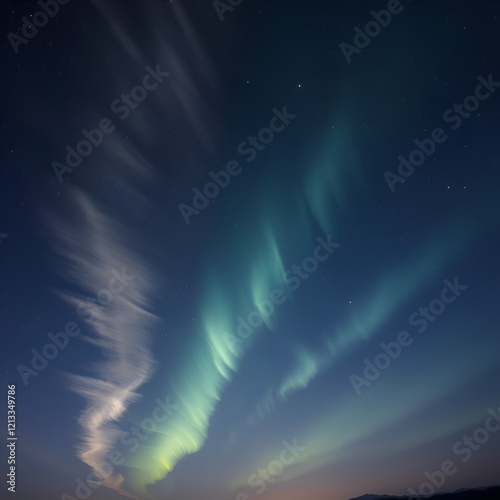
[{"x": 93, "y": 251}]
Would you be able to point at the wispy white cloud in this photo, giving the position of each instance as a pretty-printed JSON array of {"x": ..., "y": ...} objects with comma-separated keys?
[{"x": 95, "y": 257}]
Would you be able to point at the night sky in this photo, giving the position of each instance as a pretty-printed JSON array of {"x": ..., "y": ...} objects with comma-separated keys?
[{"x": 249, "y": 249}]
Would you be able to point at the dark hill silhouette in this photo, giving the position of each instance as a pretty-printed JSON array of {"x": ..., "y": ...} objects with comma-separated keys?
[{"x": 490, "y": 493}]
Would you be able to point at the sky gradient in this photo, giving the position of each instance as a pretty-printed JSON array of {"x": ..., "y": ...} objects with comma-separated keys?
[{"x": 251, "y": 251}]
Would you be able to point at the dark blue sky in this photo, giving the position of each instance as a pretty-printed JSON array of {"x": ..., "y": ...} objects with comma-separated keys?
[{"x": 253, "y": 257}]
